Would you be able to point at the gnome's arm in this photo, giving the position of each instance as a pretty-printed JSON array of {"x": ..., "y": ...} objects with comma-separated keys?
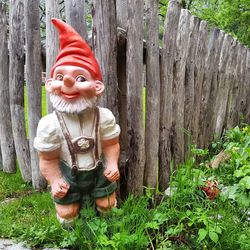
[
  {"x": 111, "y": 151},
  {"x": 49, "y": 166}
]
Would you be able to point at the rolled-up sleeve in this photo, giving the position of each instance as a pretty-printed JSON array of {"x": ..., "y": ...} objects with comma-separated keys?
[
  {"x": 47, "y": 138},
  {"x": 108, "y": 127}
]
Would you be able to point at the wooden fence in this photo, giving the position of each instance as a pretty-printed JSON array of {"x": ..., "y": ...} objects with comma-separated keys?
[{"x": 197, "y": 84}]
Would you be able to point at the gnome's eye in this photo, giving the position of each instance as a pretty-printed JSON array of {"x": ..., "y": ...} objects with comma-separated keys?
[
  {"x": 59, "y": 77},
  {"x": 81, "y": 79}
]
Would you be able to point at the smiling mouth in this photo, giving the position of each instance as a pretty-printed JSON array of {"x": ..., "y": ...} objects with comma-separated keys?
[{"x": 70, "y": 96}]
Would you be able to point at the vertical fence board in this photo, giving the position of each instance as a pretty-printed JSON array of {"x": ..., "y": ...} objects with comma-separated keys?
[
  {"x": 223, "y": 86},
  {"x": 178, "y": 88},
  {"x": 243, "y": 84},
  {"x": 248, "y": 86},
  {"x": 211, "y": 108},
  {"x": 153, "y": 94},
  {"x": 200, "y": 56},
  {"x": 33, "y": 83},
  {"x": 167, "y": 67},
  {"x": 208, "y": 88},
  {"x": 189, "y": 78},
  {"x": 105, "y": 45},
  {"x": 233, "y": 98},
  {"x": 16, "y": 83},
  {"x": 74, "y": 12},
  {"x": 6, "y": 135},
  {"x": 52, "y": 41},
  {"x": 135, "y": 90},
  {"x": 122, "y": 13}
]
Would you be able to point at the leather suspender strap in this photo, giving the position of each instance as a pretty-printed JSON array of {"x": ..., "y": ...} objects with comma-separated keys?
[
  {"x": 69, "y": 143},
  {"x": 97, "y": 120}
]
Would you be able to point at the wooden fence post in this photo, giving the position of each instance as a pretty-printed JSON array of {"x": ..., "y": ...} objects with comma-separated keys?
[
  {"x": 248, "y": 86},
  {"x": 33, "y": 83},
  {"x": 105, "y": 46},
  {"x": 52, "y": 41},
  {"x": 189, "y": 79},
  {"x": 6, "y": 135},
  {"x": 153, "y": 95},
  {"x": 16, "y": 83},
  {"x": 243, "y": 84},
  {"x": 223, "y": 86},
  {"x": 233, "y": 98},
  {"x": 167, "y": 69},
  {"x": 122, "y": 13},
  {"x": 200, "y": 56},
  {"x": 134, "y": 63},
  {"x": 178, "y": 88},
  {"x": 211, "y": 108},
  {"x": 75, "y": 16}
]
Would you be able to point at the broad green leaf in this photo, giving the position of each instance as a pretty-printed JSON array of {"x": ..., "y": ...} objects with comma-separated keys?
[
  {"x": 202, "y": 234},
  {"x": 213, "y": 236},
  {"x": 245, "y": 182}
]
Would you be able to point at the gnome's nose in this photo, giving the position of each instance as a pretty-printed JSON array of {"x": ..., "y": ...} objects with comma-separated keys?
[{"x": 68, "y": 81}]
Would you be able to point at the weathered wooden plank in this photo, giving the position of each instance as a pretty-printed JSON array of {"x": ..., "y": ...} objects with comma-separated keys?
[
  {"x": 105, "y": 46},
  {"x": 200, "y": 56},
  {"x": 234, "y": 91},
  {"x": 230, "y": 78},
  {"x": 75, "y": 16},
  {"x": 33, "y": 83},
  {"x": 153, "y": 94},
  {"x": 16, "y": 85},
  {"x": 211, "y": 106},
  {"x": 248, "y": 86},
  {"x": 178, "y": 88},
  {"x": 189, "y": 79},
  {"x": 52, "y": 41},
  {"x": 167, "y": 70},
  {"x": 6, "y": 135},
  {"x": 223, "y": 87},
  {"x": 243, "y": 83},
  {"x": 122, "y": 13},
  {"x": 134, "y": 64}
]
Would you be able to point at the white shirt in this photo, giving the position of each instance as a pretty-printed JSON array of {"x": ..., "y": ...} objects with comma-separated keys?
[{"x": 50, "y": 137}]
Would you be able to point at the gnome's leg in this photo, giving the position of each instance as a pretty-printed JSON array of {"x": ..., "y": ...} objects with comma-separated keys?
[
  {"x": 66, "y": 214},
  {"x": 106, "y": 203}
]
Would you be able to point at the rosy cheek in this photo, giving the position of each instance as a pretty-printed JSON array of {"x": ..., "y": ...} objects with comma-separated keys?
[{"x": 56, "y": 85}]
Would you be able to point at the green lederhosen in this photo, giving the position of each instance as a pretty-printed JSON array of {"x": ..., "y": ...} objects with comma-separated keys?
[
  {"x": 84, "y": 183},
  {"x": 92, "y": 183}
]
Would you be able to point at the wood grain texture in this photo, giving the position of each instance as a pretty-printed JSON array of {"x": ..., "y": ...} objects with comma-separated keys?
[
  {"x": 153, "y": 94},
  {"x": 105, "y": 47},
  {"x": 52, "y": 40},
  {"x": 6, "y": 136},
  {"x": 122, "y": 13},
  {"x": 200, "y": 56},
  {"x": 75, "y": 16},
  {"x": 248, "y": 86},
  {"x": 16, "y": 84},
  {"x": 134, "y": 66},
  {"x": 167, "y": 71},
  {"x": 33, "y": 83},
  {"x": 178, "y": 88}
]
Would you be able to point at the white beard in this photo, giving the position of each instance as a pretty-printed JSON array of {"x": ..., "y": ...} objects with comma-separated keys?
[{"x": 72, "y": 106}]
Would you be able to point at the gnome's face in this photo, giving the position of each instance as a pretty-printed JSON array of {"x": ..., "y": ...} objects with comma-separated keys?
[
  {"x": 72, "y": 82},
  {"x": 73, "y": 89}
]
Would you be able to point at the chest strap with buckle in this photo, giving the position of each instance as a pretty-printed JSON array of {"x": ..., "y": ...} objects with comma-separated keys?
[{"x": 74, "y": 167}]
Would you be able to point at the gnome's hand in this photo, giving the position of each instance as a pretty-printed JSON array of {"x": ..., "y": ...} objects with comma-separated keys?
[
  {"x": 112, "y": 172},
  {"x": 59, "y": 188}
]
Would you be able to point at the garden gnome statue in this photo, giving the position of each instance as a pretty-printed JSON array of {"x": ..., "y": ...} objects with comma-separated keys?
[{"x": 78, "y": 143}]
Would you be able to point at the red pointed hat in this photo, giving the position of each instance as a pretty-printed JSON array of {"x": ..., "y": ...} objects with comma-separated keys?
[{"x": 74, "y": 50}]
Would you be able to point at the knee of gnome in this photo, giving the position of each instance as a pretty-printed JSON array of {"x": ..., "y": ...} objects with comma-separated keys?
[
  {"x": 106, "y": 202},
  {"x": 67, "y": 211}
]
